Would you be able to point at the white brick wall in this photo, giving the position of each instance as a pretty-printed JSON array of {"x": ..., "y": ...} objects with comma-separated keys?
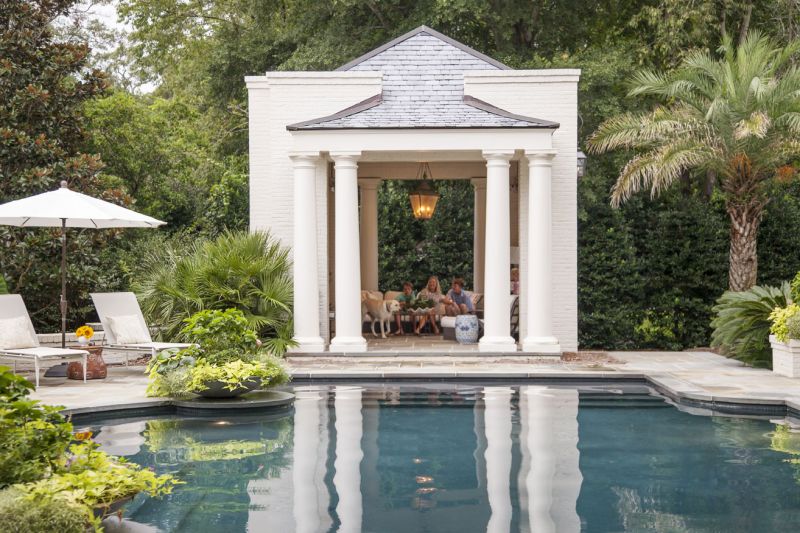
[
  {"x": 279, "y": 99},
  {"x": 549, "y": 95},
  {"x": 275, "y": 101}
]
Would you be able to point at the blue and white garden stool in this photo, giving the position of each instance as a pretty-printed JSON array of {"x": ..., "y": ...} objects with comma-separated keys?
[{"x": 467, "y": 327}]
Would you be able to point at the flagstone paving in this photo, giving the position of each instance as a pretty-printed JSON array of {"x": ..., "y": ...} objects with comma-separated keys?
[{"x": 692, "y": 376}]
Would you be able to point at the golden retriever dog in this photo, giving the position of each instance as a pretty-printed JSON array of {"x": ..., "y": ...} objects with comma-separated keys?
[{"x": 380, "y": 311}]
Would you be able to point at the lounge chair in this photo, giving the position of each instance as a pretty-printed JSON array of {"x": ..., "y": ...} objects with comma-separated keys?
[
  {"x": 18, "y": 339},
  {"x": 124, "y": 325}
]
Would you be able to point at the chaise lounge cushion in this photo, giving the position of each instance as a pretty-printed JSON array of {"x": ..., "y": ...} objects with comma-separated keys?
[
  {"x": 127, "y": 329},
  {"x": 15, "y": 333}
]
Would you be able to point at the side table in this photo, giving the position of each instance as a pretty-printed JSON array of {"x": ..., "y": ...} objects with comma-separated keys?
[{"x": 96, "y": 366}]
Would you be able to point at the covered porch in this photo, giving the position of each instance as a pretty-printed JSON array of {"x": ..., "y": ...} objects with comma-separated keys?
[{"x": 512, "y": 211}]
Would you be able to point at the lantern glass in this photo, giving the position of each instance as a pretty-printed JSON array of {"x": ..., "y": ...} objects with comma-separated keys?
[
  {"x": 581, "y": 164},
  {"x": 423, "y": 203}
]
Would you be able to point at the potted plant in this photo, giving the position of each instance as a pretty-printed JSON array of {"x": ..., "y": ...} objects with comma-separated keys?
[
  {"x": 225, "y": 361},
  {"x": 785, "y": 340}
]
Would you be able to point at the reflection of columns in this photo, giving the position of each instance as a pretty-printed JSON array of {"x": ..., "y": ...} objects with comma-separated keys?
[
  {"x": 369, "y": 233},
  {"x": 309, "y": 454},
  {"x": 348, "y": 271},
  {"x": 554, "y": 480},
  {"x": 347, "y": 479},
  {"x": 498, "y": 457},
  {"x": 539, "y": 334},
  {"x": 479, "y": 233},
  {"x": 497, "y": 274},
  {"x": 121, "y": 439},
  {"x": 304, "y": 248}
]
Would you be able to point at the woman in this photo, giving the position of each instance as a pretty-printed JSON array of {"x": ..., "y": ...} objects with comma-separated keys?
[{"x": 432, "y": 292}]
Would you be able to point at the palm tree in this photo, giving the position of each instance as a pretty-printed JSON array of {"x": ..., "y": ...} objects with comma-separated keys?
[{"x": 734, "y": 119}]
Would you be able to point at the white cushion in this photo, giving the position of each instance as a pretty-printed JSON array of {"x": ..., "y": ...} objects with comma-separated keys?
[
  {"x": 16, "y": 333},
  {"x": 127, "y": 329},
  {"x": 448, "y": 321}
]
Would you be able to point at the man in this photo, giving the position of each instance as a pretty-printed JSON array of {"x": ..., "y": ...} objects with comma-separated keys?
[
  {"x": 406, "y": 298},
  {"x": 457, "y": 301}
]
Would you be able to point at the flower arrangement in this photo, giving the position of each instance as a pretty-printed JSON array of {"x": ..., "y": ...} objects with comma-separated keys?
[
  {"x": 84, "y": 334},
  {"x": 420, "y": 304}
]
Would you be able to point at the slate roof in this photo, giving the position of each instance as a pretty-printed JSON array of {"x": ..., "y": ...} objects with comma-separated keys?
[{"x": 423, "y": 87}]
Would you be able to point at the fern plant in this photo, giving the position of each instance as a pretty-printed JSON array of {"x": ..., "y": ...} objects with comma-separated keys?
[{"x": 742, "y": 324}]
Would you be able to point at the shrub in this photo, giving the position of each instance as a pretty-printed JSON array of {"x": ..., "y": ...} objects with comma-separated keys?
[
  {"x": 21, "y": 515},
  {"x": 245, "y": 271},
  {"x": 780, "y": 317},
  {"x": 742, "y": 323},
  {"x": 793, "y": 326},
  {"x": 33, "y": 437},
  {"x": 225, "y": 349}
]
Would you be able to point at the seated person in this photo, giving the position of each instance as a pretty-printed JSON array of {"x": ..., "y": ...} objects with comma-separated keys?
[
  {"x": 407, "y": 297},
  {"x": 432, "y": 292},
  {"x": 457, "y": 301}
]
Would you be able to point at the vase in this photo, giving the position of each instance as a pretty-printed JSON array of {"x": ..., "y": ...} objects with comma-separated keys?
[
  {"x": 218, "y": 389},
  {"x": 467, "y": 327}
]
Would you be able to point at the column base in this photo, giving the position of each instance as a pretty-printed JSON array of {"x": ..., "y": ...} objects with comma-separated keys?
[
  {"x": 307, "y": 345},
  {"x": 541, "y": 345},
  {"x": 497, "y": 344},
  {"x": 348, "y": 344}
]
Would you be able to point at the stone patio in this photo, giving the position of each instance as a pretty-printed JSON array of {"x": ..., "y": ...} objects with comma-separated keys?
[{"x": 702, "y": 378}]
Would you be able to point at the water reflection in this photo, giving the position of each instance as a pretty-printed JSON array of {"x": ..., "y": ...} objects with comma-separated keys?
[{"x": 461, "y": 459}]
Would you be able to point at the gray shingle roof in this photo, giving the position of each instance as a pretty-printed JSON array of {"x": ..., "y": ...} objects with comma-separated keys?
[{"x": 423, "y": 87}]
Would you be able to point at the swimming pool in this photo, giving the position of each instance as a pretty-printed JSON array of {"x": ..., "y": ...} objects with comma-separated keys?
[{"x": 462, "y": 458}]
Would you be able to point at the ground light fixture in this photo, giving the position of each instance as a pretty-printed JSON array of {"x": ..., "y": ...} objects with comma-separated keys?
[{"x": 424, "y": 196}]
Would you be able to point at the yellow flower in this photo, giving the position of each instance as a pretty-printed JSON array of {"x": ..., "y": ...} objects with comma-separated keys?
[
  {"x": 83, "y": 435},
  {"x": 84, "y": 331}
]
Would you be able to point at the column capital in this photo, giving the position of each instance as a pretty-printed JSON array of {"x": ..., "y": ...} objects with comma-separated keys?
[
  {"x": 345, "y": 156},
  {"x": 478, "y": 183},
  {"x": 497, "y": 155},
  {"x": 304, "y": 159},
  {"x": 540, "y": 157},
  {"x": 369, "y": 183}
]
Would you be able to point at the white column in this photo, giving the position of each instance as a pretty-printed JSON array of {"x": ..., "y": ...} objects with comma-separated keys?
[
  {"x": 497, "y": 401},
  {"x": 554, "y": 479},
  {"x": 347, "y": 256},
  {"x": 539, "y": 333},
  {"x": 310, "y": 495},
  {"x": 479, "y": 232},
  {"x": 369, "y": 233},
  {"x": 497, "y": 270},
  {"x": 347, "y": 479},
  {"x": 304, "y": 249}
]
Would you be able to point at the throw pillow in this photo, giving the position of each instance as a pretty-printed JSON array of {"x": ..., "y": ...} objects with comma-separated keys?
[
  {"x": 15, "y": 333},
  {"x": 128, "y": 329}
]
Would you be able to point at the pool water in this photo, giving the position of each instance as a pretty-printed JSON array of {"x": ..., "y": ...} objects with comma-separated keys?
[{"x": 449, "y": 458}]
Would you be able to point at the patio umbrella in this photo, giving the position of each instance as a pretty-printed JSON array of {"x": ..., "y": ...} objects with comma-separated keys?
[{"x": 69, "y": 209}]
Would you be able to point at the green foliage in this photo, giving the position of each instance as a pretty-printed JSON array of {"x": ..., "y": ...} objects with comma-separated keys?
[
  {"x": 731, "y": 119},
  {"x": 412, "y": 250},
  {"x": 44, "y": 84},
  {"x": 3, "y": 286},
  {"x": 226, "y": 349},
  {"x": 33, "y": 437},
  {"x": 20, "y": 515},
  {"x": 793, "y": 326},
  {"x": 245, "y": 271},
  {"x": 93, "y": 480},
  {"x": 780, "y": 321},
  {"x": 236, "y": 374},
  {"x": 742, "y": 322}
]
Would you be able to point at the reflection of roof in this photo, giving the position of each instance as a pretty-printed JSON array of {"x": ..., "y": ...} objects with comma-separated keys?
[{"x": 423, "y": 87}]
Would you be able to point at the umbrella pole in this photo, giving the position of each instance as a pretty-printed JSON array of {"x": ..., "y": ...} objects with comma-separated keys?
[{"x": 63, "y": 282}]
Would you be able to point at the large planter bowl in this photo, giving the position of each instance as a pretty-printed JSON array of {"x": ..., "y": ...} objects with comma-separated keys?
[
  {"x": 785, "y": 357},
  {"x": 218, "y": 389}
]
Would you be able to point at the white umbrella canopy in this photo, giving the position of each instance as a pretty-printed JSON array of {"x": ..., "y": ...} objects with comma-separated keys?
[
  {"x": 73, "y": 209},
  {"x": 65, "y": 208}
]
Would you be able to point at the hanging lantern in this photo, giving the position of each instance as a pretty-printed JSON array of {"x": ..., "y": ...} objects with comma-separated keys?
[{"x": 424, "y": 197}]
